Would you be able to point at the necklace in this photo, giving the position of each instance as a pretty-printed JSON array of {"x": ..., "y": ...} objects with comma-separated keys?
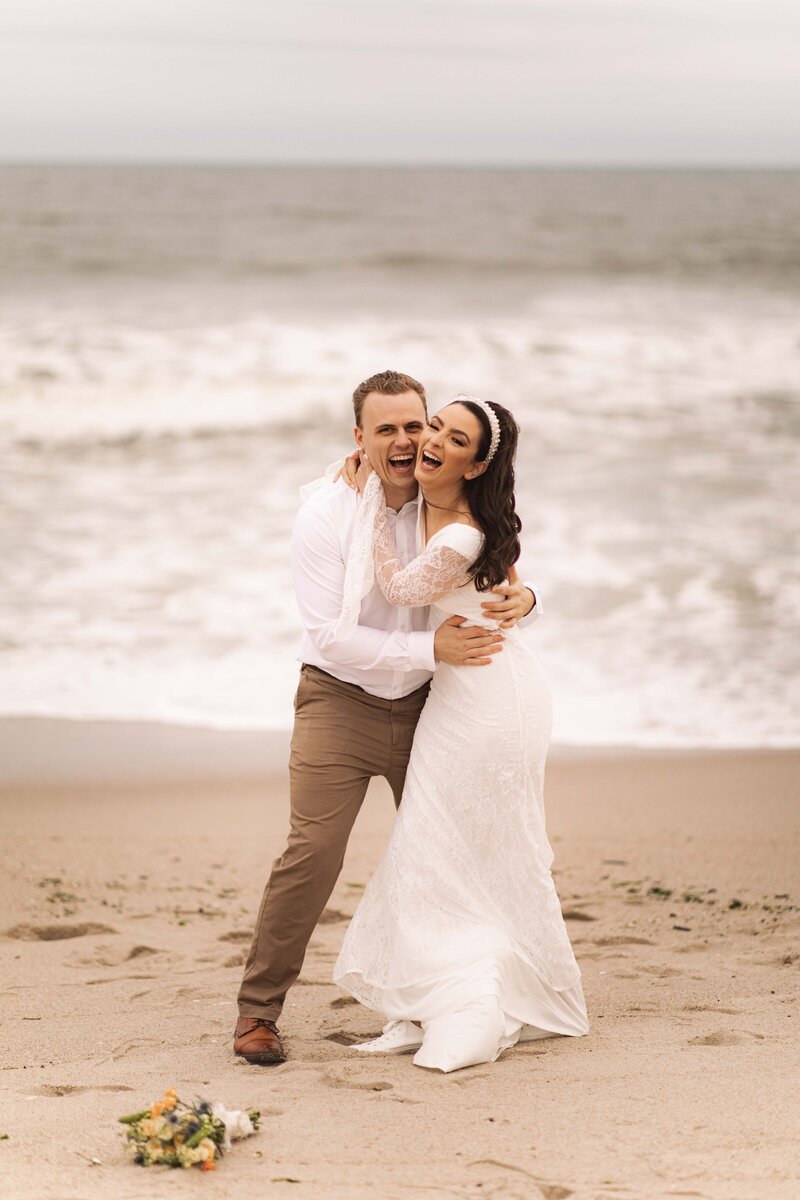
[
  {"x": 463, "y": 512},
  {"x": 441, "y": 508}
]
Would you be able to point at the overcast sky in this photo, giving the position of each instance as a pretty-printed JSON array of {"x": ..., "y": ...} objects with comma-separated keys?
[{"x": 449, "y": 81}]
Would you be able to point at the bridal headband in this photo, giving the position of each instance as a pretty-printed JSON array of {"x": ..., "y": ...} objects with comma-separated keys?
[{"x": 491, "y": 417}]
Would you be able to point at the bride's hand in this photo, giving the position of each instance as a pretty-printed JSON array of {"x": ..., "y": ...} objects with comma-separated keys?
[
  {"x": 364, "y": 471},
  {"x": 349, "y": 470},
  {"x": 355, "y": 471}
]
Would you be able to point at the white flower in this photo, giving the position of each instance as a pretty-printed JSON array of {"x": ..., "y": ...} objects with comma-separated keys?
[
  {"x": 187, "y": 1157},
  {"x": 206, "y": 1150},
  {"x": 237, "y": 1124}
]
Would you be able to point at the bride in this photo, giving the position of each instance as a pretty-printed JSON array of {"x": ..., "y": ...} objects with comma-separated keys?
[{"x": 459, "y": 939}]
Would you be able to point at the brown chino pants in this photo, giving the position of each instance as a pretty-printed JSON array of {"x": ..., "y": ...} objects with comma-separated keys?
[{"x": 342, "y": 738}]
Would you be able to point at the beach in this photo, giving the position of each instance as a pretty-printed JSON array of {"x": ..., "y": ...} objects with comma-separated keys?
[
  {"x": 179, "y": 350},
  {"x": 128, "y": 903}
]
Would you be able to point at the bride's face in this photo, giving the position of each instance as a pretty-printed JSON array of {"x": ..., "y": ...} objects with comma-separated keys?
[{"x": 448, "y": 446}]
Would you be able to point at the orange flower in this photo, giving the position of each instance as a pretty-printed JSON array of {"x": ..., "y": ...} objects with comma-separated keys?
[
  {"x": 210, "y": 1165},
  {"x": 165, "y": 1105}
]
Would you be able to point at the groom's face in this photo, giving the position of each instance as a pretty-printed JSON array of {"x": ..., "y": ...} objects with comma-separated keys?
[{"x": 390, "y": 430}]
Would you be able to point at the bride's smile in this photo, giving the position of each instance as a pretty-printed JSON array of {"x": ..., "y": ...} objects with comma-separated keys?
[
  {"x": 429, "y": 460},
  {"x": 449, "y": 447}
]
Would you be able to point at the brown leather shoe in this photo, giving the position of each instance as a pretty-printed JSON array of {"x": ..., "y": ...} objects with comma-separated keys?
[{"x": 258, "y": 1041}]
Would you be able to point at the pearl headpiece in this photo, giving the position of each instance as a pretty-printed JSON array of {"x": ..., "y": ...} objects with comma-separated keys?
[{"x": 491, "y": 417}]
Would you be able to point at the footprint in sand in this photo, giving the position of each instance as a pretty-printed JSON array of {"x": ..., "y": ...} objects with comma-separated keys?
[
  {"x": 125, "y": 1048},
  {"x": 343, "y": 1002},
  {"x": 610, "y": 942},
  {"x": 236, "y": 960},
  {"x": 576, "y": 914},
  {"x": 189, "y": 992},
  {"x": 372, "y": 1085},
  {"x": 107, "y": 956},
  {"x": 112, "y": 979},
  {"x": 332, "y": 916},
  {"x": 662, "y": 972},
  {"x": 620, "y": 939},
  {"x": 716, "y": 1008},
  {"x": 509, "y": 1189},
  {"x": 236, "y": 935},
  {"x": 512, "y": 1189},
  {"x": 141, "y": 952},
  {"x": 340, "y": 1038},
  {"x": 466, "y": 1076},
  {"x": 721, "y": 1038},
  {"x": 56, "y": 933},
  {"x": 724, "y": 1038},
  {"x": 68, "y": 1089}
]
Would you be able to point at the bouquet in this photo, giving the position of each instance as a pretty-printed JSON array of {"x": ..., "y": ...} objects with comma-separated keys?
[{"x": 173, "y": 1134}]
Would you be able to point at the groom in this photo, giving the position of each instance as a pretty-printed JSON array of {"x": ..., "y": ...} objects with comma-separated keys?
[{"x": 358, "y": 700}]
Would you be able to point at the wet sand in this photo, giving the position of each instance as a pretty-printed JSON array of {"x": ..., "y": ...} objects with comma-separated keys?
[{"x": 127, "y": 909}]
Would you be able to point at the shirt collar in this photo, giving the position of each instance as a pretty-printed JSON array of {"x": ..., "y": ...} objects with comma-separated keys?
[{"x": 407, "y": 508}]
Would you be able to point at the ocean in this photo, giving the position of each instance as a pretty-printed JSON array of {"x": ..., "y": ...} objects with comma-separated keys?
[{"x": 177, "y": 351}]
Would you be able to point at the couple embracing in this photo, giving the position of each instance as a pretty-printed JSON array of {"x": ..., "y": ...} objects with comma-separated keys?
[{"x": 416, "y": 667}]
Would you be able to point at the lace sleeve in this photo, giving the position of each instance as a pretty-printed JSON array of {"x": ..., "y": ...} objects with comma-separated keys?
[
  {"x": 373, "y": 557},
  {"x": 432, "y": 575},
  {"x": 437, "y": 571}
]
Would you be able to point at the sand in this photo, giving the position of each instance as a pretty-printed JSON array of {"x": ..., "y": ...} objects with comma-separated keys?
[{"x": 127, "y": 908}]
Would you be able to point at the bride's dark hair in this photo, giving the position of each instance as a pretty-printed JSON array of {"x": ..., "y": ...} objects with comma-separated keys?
[{"x": 491, "y": 498}]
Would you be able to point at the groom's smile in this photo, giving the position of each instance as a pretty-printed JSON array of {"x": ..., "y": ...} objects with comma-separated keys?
[
  {"x": 402, "y": 464},
  {"x": 390, "y": 429},
  {"x": 397, "y": 465}
]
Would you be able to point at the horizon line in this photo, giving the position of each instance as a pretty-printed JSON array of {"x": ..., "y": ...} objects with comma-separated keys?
[{"x": 397, "y": 164}]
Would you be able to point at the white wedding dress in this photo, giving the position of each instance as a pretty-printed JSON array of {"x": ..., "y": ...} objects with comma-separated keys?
[{"x": 460, "y": 929}]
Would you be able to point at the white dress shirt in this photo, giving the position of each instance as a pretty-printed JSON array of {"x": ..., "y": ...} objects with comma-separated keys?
[{"x": 390, "y": 654}]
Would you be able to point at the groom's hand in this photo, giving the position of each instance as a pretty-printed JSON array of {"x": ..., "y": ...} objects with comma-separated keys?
[
  {"x": 517, "y": 601},
  {"x": 471, "y": 647}
]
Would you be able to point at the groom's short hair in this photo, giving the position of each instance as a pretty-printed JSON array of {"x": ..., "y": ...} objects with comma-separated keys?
[{"x": 387, "y": 383}]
